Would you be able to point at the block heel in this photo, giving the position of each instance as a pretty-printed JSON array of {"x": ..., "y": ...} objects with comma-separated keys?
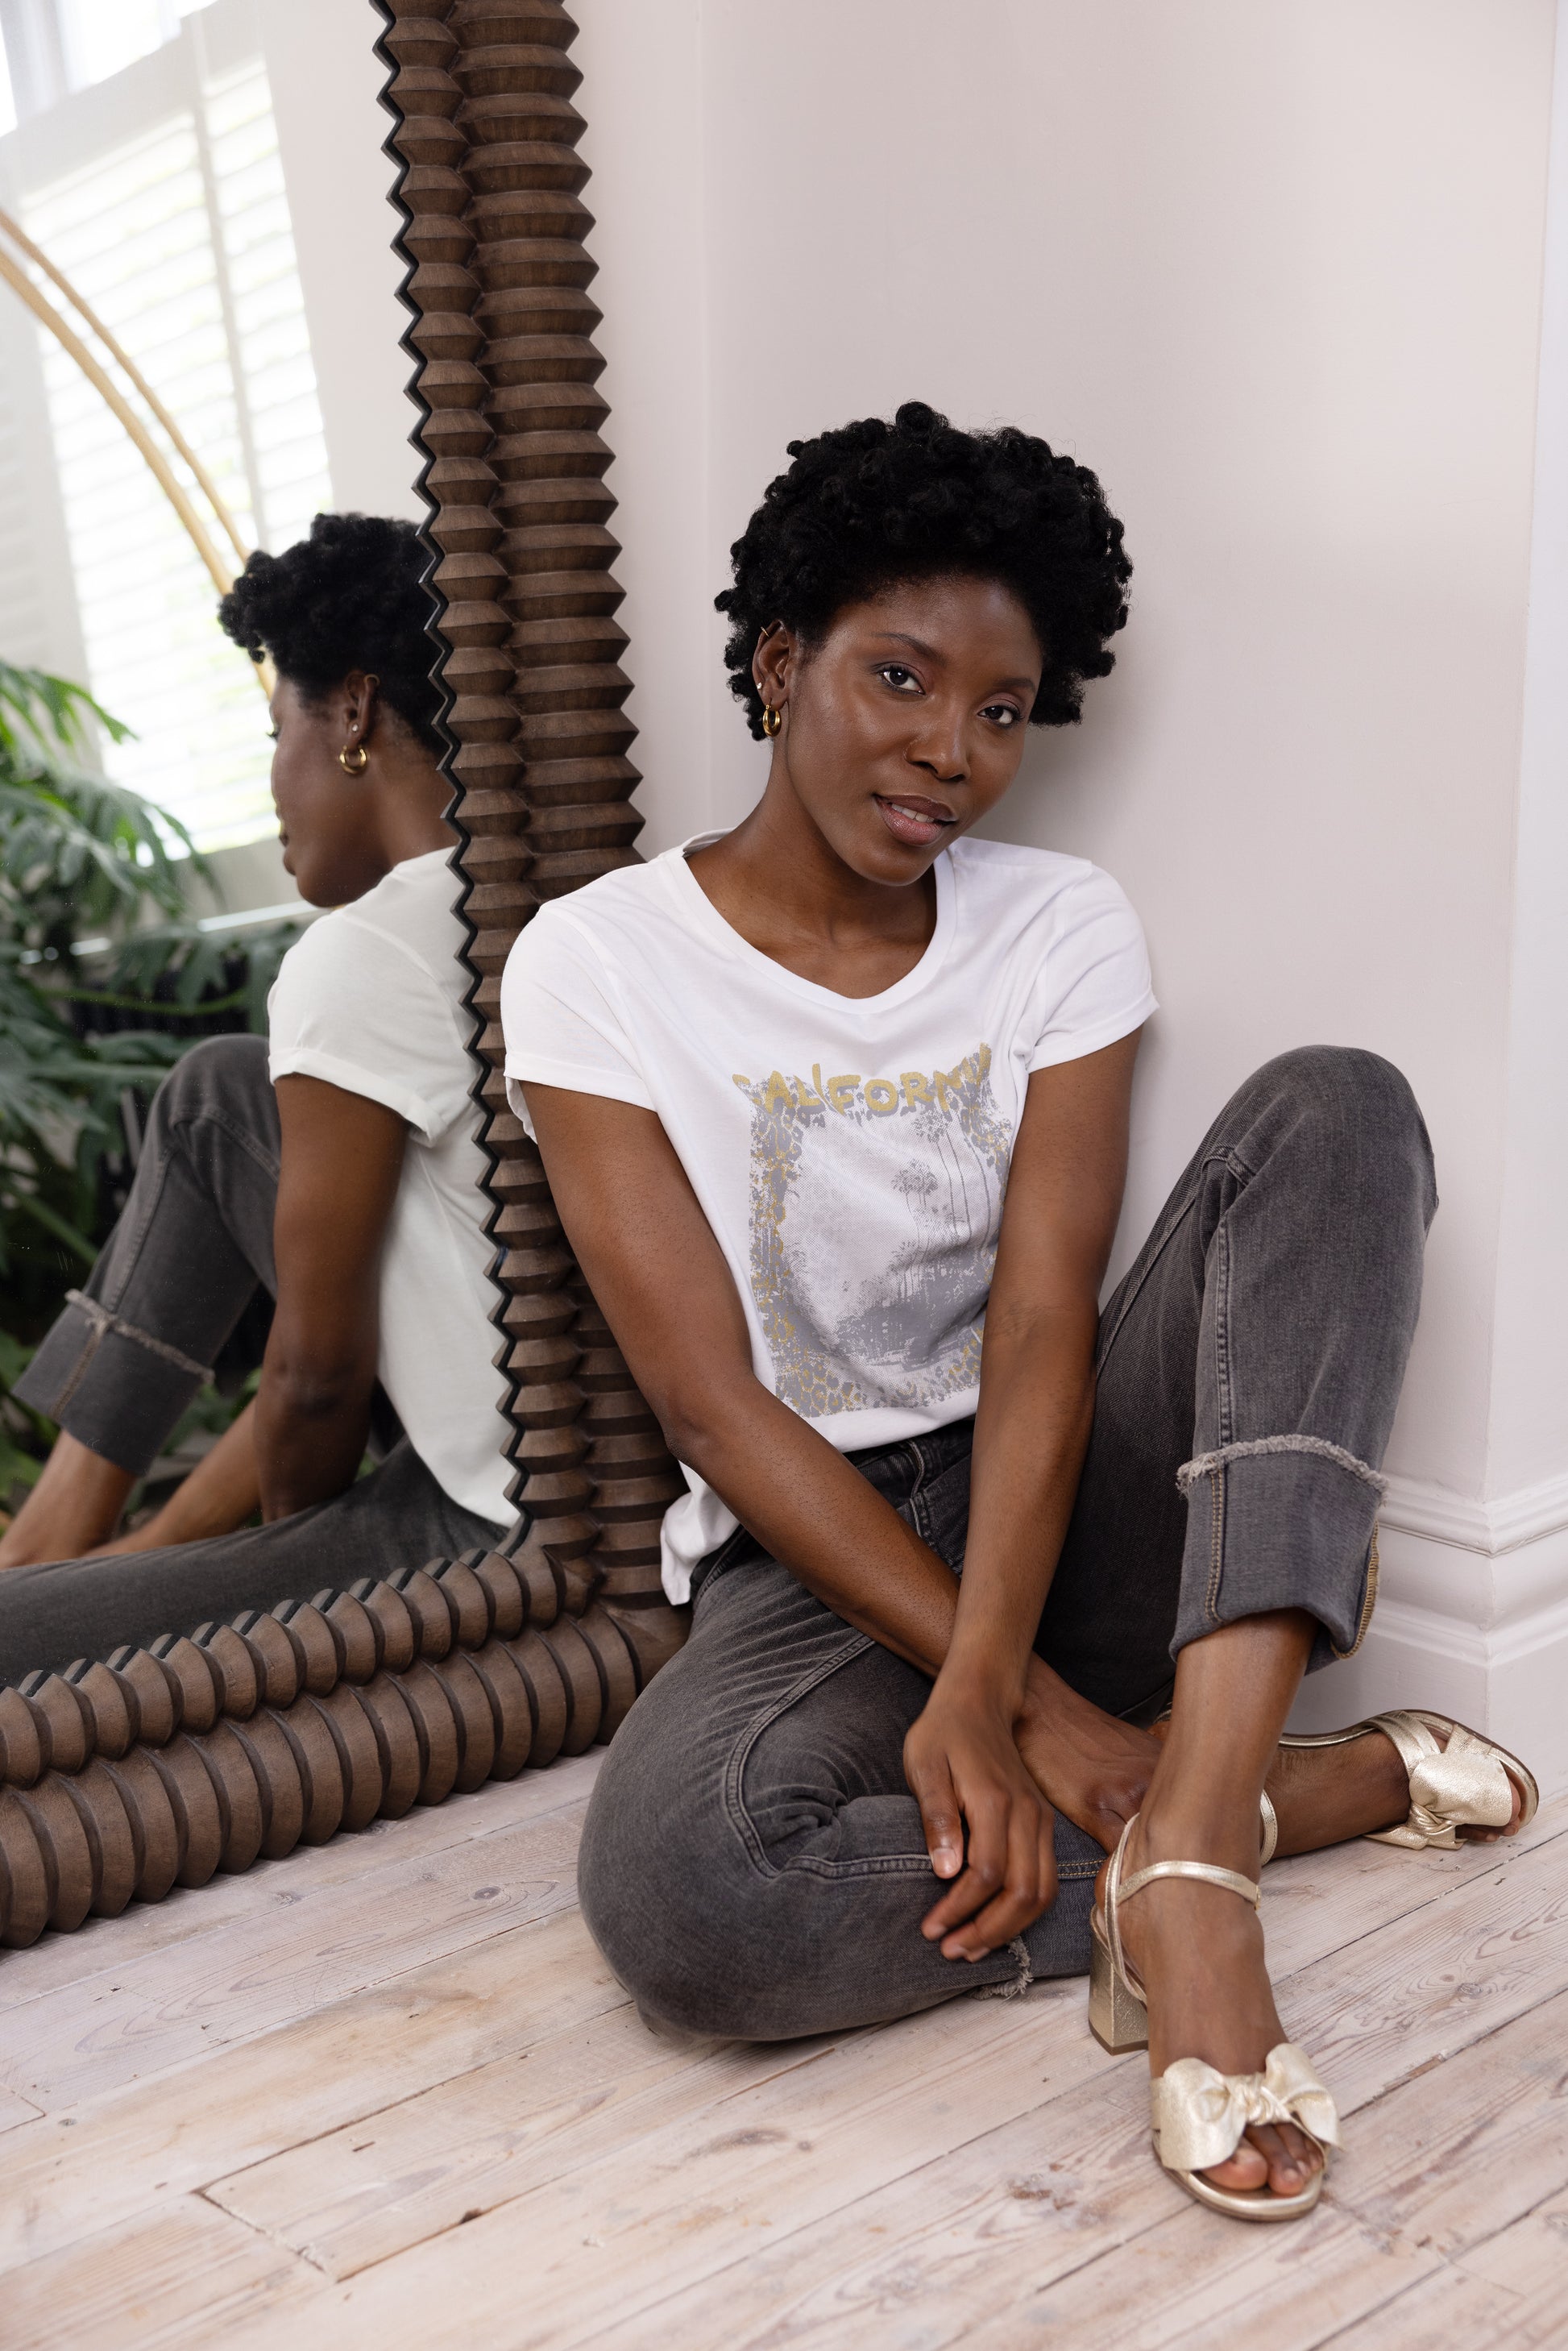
[{"x": 1117, "y": 2018}]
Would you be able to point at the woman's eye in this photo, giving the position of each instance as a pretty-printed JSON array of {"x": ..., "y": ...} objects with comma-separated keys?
[
  {"x": 1004, "y": 714},
  {"x": 902, "y": 680},
  {"x": 272, "y": 733}
]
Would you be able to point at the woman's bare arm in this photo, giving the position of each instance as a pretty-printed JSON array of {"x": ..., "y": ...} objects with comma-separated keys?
[
  {"x": 650, "y": 1259},
  {"x": 1031, "y": 1428},
  {"x": 220, "y": 1494},
  {"x": 1037, "y": 1374},
  {"x": 342, "y": 1161}
]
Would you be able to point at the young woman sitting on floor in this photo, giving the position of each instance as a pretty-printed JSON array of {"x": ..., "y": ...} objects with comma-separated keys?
[
  {"x": 834, "y": 1109},
  {"x": 333, "y": 1165}
]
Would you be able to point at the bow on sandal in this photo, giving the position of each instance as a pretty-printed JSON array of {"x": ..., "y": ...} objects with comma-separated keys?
[
  {"x": 1467, "y": 1784},
  {"x": 1199, "y": 2116}
]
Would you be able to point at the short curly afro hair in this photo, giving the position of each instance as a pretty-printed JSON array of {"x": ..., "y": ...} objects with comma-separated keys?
[
  {"x": 348, "y": 597},
  {"x": 873, "y": 505}
]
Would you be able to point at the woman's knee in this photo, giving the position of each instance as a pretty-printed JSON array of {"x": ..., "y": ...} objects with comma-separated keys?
[
  {"x": 676, "y": 1907},
  {"x": 640, "y": 1885},
  {"x": 1358, "y": 1107},
  {"x": 213, "y": 1072}
]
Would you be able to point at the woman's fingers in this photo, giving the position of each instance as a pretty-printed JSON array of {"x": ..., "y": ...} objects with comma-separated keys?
[
  {"x": 1028, "y": 1887},
  {"x": 987, "y": 1828},
  {"x": 985, "y": 1819},
  {"x": 931, "y": 1785}
]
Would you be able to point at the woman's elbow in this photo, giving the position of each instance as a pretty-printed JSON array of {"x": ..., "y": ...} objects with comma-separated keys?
[
  {"x": 704, "y": 1419},
  {"x": 316, "y": 1388}
]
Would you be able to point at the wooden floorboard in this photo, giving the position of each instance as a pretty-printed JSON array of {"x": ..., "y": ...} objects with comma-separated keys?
[
  {"x": 299, "y": 1947},
  {"x": 387, "y": 2093},
  {"x": 172, "y": 2278},
  {"x": 104, "y": 1946}
]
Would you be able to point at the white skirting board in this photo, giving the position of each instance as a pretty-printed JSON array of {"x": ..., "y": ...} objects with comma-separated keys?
[{"x": 1472, "y": 1620}]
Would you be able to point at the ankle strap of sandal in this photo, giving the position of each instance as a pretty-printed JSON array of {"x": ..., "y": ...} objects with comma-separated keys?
[{"x": 1232, "y": 1880}]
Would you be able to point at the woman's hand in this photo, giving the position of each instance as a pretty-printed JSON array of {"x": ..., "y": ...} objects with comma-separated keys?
[
  {"x": 1089, "y": 1765},
  {"x": 964, "y": 1771}
]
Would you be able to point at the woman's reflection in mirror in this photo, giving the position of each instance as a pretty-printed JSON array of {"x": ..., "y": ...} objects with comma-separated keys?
[{"x": 333, "y": 1166}]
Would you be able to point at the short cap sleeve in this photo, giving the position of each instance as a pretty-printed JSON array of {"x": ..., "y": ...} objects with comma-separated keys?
[
  {"x": 559, "y": 1018},
  {"x": 1096, "y": 985},
  {"x": 356, "y": 1009}
]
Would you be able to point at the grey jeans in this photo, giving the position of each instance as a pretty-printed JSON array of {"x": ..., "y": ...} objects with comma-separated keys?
[
  {"x": 119, "y": 1365},
  {"x": 752, "y": 1863}
]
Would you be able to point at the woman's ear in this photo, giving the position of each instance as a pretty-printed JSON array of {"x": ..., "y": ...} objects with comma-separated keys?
[
  {"x": 361, "y": 708},
  {"x": 771, "y": 661}
]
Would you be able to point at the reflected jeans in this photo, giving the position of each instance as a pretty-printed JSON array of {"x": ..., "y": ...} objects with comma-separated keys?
[
  {"x": 120, "y": 1364},
  {"x": 753, "y": 1864}
]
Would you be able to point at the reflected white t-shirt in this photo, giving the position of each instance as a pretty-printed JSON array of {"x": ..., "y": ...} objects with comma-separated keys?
[
  {"x": 370, "y": 1000},
  {"x": 851, "y": 1154}
]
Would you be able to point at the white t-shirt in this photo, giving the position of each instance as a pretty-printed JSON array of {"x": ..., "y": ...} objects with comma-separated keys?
[
  {"x": 370, "y": 1000},
  {"x": 850, "y": 1152}
]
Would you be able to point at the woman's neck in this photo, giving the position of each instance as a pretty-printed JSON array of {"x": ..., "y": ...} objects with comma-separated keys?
[
  {"x": 410, "y": 804},
  {"x": 779, "y": 882}
]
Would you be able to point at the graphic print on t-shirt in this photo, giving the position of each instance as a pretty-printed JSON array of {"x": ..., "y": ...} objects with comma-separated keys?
[{"x": 820, "y": 1149}]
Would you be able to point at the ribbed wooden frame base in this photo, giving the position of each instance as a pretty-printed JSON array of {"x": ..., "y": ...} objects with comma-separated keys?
[{"x": 206, "y": 1751}]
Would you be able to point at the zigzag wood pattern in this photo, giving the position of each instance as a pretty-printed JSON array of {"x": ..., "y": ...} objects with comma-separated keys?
[
  {"x": 204, "y": 1751},
  {"x": 507, "y": 371}
]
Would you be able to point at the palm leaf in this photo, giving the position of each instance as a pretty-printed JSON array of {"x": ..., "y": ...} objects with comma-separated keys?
[{"x": 42, "y": 710}]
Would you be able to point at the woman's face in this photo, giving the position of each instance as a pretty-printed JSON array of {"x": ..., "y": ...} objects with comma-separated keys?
[
  {"x": 904, "y": 724},
  {"x": 326, "y": 817}
]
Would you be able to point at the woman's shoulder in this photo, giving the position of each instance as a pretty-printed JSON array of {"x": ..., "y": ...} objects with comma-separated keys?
[
  {"x": 403, "y": 928},
  {"x": 1029, "y": 882},
  {"x": 599, "y": 915}
]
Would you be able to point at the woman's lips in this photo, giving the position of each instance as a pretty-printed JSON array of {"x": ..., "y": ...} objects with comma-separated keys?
[{"x": 913, "y": 821}]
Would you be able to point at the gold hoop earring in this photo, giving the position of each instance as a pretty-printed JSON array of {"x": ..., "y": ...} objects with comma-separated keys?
[
  {"x": 352, "y": 758},
  {"x": 772, "y": 720}
]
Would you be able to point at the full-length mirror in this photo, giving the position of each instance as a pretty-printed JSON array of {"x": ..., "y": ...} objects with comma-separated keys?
[{"x": 312, "y": 695}]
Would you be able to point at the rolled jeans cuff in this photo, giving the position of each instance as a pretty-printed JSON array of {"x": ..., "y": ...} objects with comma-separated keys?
[
  {"x": 1279, "y": 1522},
  {"x": 117, "y": 1389}
]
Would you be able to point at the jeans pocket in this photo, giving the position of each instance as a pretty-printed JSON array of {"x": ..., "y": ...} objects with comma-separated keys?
[{"x": 940, "y": 1513}]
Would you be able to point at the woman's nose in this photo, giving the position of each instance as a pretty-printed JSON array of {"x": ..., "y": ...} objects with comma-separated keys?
[{"x": 939, "y": 746}]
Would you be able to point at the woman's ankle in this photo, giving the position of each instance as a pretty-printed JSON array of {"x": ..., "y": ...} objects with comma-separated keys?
[{"x": 1210, "y": 1825}]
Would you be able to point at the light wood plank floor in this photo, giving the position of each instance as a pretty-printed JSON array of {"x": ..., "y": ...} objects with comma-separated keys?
[{"x": 385, "y": 2094}]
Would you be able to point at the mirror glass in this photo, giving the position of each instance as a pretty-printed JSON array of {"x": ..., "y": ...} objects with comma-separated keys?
[{"x": 199, "y": 289}]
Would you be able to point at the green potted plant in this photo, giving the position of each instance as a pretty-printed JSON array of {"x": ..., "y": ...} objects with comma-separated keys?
[{"x": 105, "y": 980}]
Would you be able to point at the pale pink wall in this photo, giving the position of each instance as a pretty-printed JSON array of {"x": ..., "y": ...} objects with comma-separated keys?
[{"x": 1276, "y": 272}]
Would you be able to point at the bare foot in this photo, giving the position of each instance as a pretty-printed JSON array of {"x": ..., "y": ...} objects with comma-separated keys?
[
  {"x": 1323, "y": 1795},
  {"x": 1199, "y": 1953}
]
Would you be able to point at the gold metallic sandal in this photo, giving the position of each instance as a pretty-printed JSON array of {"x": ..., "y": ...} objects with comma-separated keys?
[
  {"x": 1199, "y": 2115},
  {"x": 1461, "y": 1786}
]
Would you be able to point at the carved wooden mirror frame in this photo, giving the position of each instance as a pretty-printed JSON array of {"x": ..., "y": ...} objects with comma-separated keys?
[
  {"x": 505, "y": 370},
  {"x": 207, "y": 1750}
]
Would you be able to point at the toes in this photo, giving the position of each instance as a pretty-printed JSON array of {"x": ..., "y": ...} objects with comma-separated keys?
[
  {"x": 1247, "y": 2169},
  {"x": 1291, "y": 2158}
]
